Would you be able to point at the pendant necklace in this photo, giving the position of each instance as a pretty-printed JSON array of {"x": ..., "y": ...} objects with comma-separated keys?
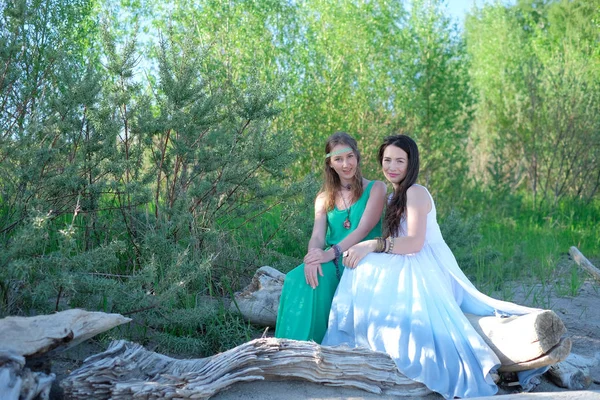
[{"x": 347, "y": 223}]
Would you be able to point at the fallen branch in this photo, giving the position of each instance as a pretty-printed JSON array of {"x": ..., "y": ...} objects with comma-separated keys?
[
  {"x": 34, "y": 336},
  {"x": 128, "y": 370},
  {"x": 584, "y": 263}
]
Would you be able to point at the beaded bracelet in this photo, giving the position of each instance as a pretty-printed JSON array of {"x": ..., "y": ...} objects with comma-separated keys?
[
  {"x": 337, "y": 252},
  {"x": 390, "y": 248}
]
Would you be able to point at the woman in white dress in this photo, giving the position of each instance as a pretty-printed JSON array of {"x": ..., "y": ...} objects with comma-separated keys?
[{"x": 405, "y": 295}]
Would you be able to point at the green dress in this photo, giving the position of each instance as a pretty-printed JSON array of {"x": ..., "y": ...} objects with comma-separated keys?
[{"x": 304, "y": 311}]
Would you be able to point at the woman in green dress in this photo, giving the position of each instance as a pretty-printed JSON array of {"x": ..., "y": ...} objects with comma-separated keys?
[{"x": 347, "y": 210}]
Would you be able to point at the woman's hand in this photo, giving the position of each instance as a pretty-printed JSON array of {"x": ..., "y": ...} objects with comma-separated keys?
[
  {"x": 310, "y": 273},
  {"x": 316, "y": 255},
  {"x": 354, "y": 254}
]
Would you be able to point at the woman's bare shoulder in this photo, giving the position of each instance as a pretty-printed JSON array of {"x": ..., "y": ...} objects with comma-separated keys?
[
  {"x": 320, "y": 200},
  {"x": 418, "y": 195},
  {"x": 377, "y": 185}
]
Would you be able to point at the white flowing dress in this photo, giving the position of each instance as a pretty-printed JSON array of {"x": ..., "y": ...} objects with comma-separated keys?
[{"x": 412, "y": 307}]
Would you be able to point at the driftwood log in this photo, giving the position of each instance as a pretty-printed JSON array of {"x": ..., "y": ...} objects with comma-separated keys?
[
  {"x": 259, "y": 301},
  {"x": 127, "y": 369},
  {"x": 574, "y": 372},
  {"x": 584, "y": 263},
  {"x": 21, "y": 383},
  {"x": 24, "y": 338},
  {"x": 570, "y": 395},
  {"x": 524, "y": 342},
  {"x": 31, "y": 336},
  {"x": 521, "y": 342}
]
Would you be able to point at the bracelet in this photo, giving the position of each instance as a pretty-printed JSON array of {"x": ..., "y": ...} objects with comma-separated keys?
[
  {"x": 337, "y": 252},
  {"x": 390, "y": 248}
]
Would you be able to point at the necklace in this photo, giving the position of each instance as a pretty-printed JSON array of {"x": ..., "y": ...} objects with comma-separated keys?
[{"x": 347, "y": 223}]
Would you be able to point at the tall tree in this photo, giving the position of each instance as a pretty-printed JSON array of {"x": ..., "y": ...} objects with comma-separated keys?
[{"x": 537, "y": 117}]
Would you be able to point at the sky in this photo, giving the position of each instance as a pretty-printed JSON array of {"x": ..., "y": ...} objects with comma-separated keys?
[{"x": 459, "y": 8}]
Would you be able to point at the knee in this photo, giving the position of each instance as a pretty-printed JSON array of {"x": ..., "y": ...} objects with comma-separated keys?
[{"x": 295, "y": 275}]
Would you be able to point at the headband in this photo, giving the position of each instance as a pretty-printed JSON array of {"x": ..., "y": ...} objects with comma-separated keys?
[{"x": 337, "y": 152}]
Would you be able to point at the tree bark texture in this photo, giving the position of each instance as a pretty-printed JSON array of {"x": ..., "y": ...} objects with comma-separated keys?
[{"x": 127, "y": 369}]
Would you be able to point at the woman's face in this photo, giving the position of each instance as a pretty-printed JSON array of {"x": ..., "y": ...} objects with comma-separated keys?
[
  {"x": 343, "y": 161},
  {"x": 394, "y": 164}
]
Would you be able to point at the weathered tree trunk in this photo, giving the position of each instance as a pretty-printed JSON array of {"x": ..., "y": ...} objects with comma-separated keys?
[
  {"x": 584, "y": 263},
  {"x": 32, "y": 336},
  {"x": 127, "y": 369},
  {"x": 525, "y": 341},
  {"x": 29, "y": 337},
  {"x": 260, "y": 299}
]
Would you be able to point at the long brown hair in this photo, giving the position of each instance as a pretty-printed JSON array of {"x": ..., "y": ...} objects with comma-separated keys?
[
  {"x": 396, "y": 208},
  {"x": 331, "y": 180}
]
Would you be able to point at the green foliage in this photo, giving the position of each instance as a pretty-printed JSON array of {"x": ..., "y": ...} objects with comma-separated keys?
[
  {"x": 535, "y": 71},
  {"x": 154, "y": 154},
  {"x": 462, "y": 236},
  {"x": 437, "y": 102},
  {"x": 521, "y": 243},
  {"x": 125, "y": 195},
  {"x": 200, "y": 331}
]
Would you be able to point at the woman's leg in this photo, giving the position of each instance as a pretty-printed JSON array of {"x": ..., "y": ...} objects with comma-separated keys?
[{"x": 304, "y": 311}]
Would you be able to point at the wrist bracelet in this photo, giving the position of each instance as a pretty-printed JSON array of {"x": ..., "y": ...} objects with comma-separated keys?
[
  {"x": 337, "y": 252},
  {"x": 390, "y": 240},
  {"x": 380, "y": 247}
]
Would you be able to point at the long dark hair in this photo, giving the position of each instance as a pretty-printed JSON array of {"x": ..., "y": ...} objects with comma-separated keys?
[
  {"x": 331, "y": 180},
  {"x": 396, "y": 208}
]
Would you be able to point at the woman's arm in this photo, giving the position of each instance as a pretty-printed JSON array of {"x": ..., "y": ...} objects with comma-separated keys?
[
  {"x": 317, "y": 238},
  {"x": 317, "y": 241},
  {"x": 370, "y": 217},
  {"x": 418, "y": 205}
]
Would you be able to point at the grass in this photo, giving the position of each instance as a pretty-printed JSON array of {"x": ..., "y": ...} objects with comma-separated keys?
[{"x": 532, "y": 245}]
